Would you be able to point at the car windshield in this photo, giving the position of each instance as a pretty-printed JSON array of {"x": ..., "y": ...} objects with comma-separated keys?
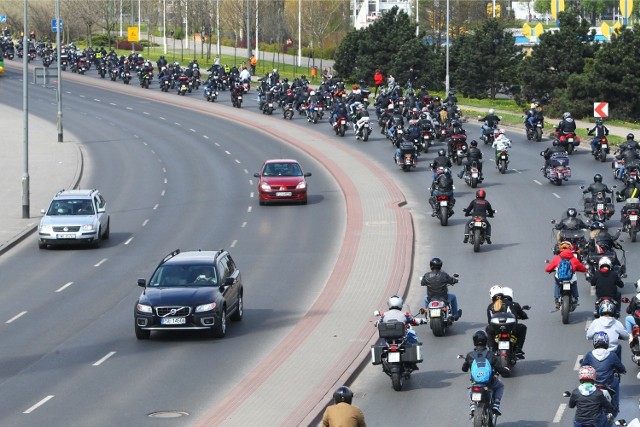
[
  {"x": 282, "y": 169},
  {"x": 71, "y": 207},
  {"x": 184, "y": 275}
]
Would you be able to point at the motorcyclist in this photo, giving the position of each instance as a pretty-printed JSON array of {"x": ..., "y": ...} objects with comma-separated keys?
[
  {"x": 591, "y": 404},
  {"x": 568, "y": 224},
  {"x": 501, "y": 302},
  {"x": 491, "y": 122},
  {"x": 533, "y": 115},
  {"x": 474, "y": 155},
  {"x": 340, "y": 110},
  {"x": 362, "y": 116},
  {"x": 603, "y": 243},
  {"x": 441, "y": 161},
  {"x": 395, "y": 314},
  {"x": 451, "y": 98},
  {"x": 382, "y": 102},
  {"x": 632, "y": 308},
  {"x": 566, "y": 125},
  {"x": 628, "y": 153},
  {"x": 397, "y": 120},
  {"x": 436, "y": 282},
  {"x": 596, "y": 187},
  {"x": 494, "y": 384},
  {"x": 606, "y": 281},
  {"x": 630, "y": 191},
  {"x": 479, "y": 207},
  {"x": 354, "y": 98},
  {"x": 456, "y": 129},
  {"x": 500, "y": 143},
  {"x": 405, "y": 146},
  {"x": 342, "y": 413},
  {"x": 556, "y": 150},
  {"x": 606, "y": 364},
  {"x": 600, "y": 132},
  {"x": 245, "y": 75},
  {"x": 608, "y": 323},
  {"x": 442, "y": 185},
  {"x": 236, "y": 91},
  {"x": 576, "y": 265}
]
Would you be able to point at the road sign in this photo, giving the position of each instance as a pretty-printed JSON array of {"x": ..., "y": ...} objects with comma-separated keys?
[
  {"x": 54, "y": 26},
  {"x": 3, "y": 19},
  {"x": 601, "y": 109},
  {"x": 556, "y": 7},
  {"x": 626, "y": 7},
  {"x": 132, "y": 34}
]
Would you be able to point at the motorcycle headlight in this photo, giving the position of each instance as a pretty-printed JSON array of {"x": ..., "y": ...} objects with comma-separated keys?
[{"x": 205, "y": 307}]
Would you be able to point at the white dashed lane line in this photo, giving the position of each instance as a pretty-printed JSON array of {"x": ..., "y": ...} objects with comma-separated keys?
[
  {"x": 113, "y": 103},
  {"x": 129, "y": 108},
  {"x": 244, "y": 224},
  {"x": 557, "y": 197},
  {"x": 217, "y": 145},
  {"x": 192, "y": 130},
  {"x": 128, "y": 240},
  {"x": 251, "y": 195},
  {"x": 155, "y": 207},
  {"x": 63, "y": 287},
  {"x": 233, "y": 244},
  {"x": 162, "y": 118},
  {"x": 16, "y": 317},
  {"x": 101, "y": 361},
  {"x": 97, "y": 100},
  {"x": 237, "y": 161},
  {"x": 205, "y": 136},
  {"x": 227, "y": 152},
  {"x": 559, "y": 412},
  {"x": 177, "y": 124},
  {"x": 145, "y": 222},
  {"x": 163, "y": 193},
  {"x": 249, "y": 209},
  {"x": 537, "y": 182},
  {"x": 246, "y": 171},
  {"x": 39, "y": 404},
  {"x": 102, "y": 261}
]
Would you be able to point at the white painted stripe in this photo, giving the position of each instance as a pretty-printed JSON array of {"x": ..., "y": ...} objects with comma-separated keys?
[
  {"x": 135, "y": 135},
  {"x": 227, "y": 152},
  {"x": 237, "y": 161},
  {"x": 578, "y": 359},
  {"x": 165, "y": 180},
  {"x": 82, "y": 96},
  {"x": 17, "y": 316},
  {"x": 155, "y": 207},
  {"x": 559, "y": 412},
  {"x": 244, "y": 224},
  {"x": 516, "y": 170},
  {"x": 65, "y": 286},
  {"x": 233, "y": 244},
  {"x": 163, "y": 193},
  {"x": 557, "y": 197},
  {"x": 205, "y": 136},
  {"x": 102, "y": 261},
  {"x": 251, "y": 195},
  {"x": 217, "y": 145},
  {"x": 153, "y": 151},
  {"x": 537, "y": 182},
  {"x": 129, "y": 108},
  {"x": 164, "y": 170},
  {"x": 97, "y": 100},
  {"x": 192, "y": 130},
  {"x": 246, "y": 171},
  {"x": 128, "y": 240},
  {"x": 250, "y": 182},
  {"x": 113, "y": 103},
  {"x": 162, "y": 118},
  {"x": 145, "y": 113},
  {"x": 144, "y": 142},
  {"x": 66, "y": 91},
  {"x": 177, "y": 124},
  {"x": 145, "y": 222},
  {"x": 39, "y": 404},
  {"x": 108, "y": 355},
  {"x": 249, "y": 209}
]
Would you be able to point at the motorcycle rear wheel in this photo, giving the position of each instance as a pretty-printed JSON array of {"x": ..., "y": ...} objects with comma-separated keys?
[
  {"x": 365, "y": 136},
  {"x": 538, "y": 135},
  {"x": 397, "y": 380},
  {"x": 633, "y": 235},
  {"x": 476, "y": 240},
  {"x": 474, "y": 182},
  {"x": 603, "y": 156},
  {"x": 444, "y": 216},
  {"x": 459, "y": 161},
  {"x": 437, "y": 327},
  {"x": 483, "y": 416},
  {"x": 565, "y": 308},
  {"x": 342, "y": 130},
  {"x": 502, "y": 166},
  {"x": 569, "y": 148}
]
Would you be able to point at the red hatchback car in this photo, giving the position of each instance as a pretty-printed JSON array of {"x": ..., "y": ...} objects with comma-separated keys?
[{"x": 282, "y": 180}]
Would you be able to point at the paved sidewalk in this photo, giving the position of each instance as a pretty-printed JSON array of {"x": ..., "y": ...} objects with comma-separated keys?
[{"x": 52, "y": 167}]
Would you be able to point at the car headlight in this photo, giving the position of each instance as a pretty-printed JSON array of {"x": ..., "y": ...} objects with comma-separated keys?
[
  {"x": 142, "y": 308},
  {"x": 301, "y": 185},
  {"x": 46, "y": 229},
  {"x": 265, "y": 187},
  {"x": 88, "y": 227},
  {"x": 205, "y": 307}
]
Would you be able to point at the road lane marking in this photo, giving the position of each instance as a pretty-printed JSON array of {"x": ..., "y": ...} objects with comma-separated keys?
[
  {"x": 163, "y": 193},
  {"x": 557, "y": 197},
  {"x": 177, "y": 124},
  {"x": 65, "y": 286},
  {"x": 237, "y": 161},
  {"x": 39, "y": 404},
  {"x": 96, "y": 99},
  {"x": 153, "y": 152},
  {"x": 113, "y": 103},
  {"x": 249, "y": 209},
  {"x": 578, "y": 359},
  {"x": 128, "y": 240},
  {"x": 250, "y": 182},
  {"x": 146, "y": 113},
  {"x": 516, "y": 170},
  {"x": 155, "y": 207},
  {"x": 192, "y": 130},
  {"x": 162, "y": 118},
  {"x": 537, "y": 182},
  {"x": 17, "y": 316},
  {"x": 164, "y": 170},
  {"x": 99, "y": 362},
  {"x": 559, "y": 412},
  {"x": 165, "y": 180},
  {"x": 246, "y": 171},
  {"x": 227, "y": 152},
  {"x": 129, "y": 108},
  {"x": 233, "y": 244},
  {"x": 145, "y": 222},
  {"x": 217, "y": 145},
  {"x": 82, "y": 96},
  {"x": 244, "y": 224},
  {"x": 102, "y": 261},
  {"x": 205, "y": 136},
  {"x": 251, "y": 195}
]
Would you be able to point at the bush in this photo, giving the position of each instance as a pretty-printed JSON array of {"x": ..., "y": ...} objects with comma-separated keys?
[
  {"x": 102, "y": 39},
  {"x": 126, "y": 45}
]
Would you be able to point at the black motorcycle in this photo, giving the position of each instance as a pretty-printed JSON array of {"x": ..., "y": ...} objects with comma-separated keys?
[{"x": 535, "y": 131}]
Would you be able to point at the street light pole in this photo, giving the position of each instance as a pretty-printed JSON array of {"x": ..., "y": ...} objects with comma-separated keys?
[
  {"x": 218, "y": 27},
  {"x": 164, "y": 25},
  {"x": 299, "y": 33},
  {"x": 59, "y": 100},
  {"x": 25, "y": 112},
  {"x": 248, "y": 30},
  {"x": 417, "y": 21},
  {"x": 447, "y": 49}
]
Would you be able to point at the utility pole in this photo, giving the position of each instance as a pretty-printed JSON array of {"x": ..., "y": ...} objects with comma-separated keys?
[
  {"x": 25, "y": 112},
  {"x": 59, "y": 92}
]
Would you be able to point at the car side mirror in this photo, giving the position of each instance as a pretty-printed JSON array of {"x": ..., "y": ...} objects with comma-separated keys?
[
  {"x": 307, "y": 174},
  {"x": 257, "y": 175},
  {"x": 142, "y": 283},
  {"x": 229, "y": 281}
]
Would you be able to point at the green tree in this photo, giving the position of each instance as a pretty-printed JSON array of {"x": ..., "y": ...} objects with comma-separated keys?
[{"x": 484, "y": 62}]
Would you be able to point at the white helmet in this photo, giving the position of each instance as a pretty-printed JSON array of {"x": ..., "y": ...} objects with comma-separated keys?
[
  {"x": 507, "y": 292},
  {"x": 566, "y": 115},
  {"x": 495, "y": 290},
  {"x": 313, "y": 92},
  {"x": 604, "y": 262},
  {"x": 491, "y": 111},
  {"x": 395, "y": 302}
]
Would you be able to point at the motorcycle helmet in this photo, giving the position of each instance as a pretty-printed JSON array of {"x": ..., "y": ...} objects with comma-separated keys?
[
  {"x": 491, "y": 111},
  {"x": 447, "y": 171},
  {"x": 425, "y": 109},
  {"x": 495, "y": 291},
  {"x": 572, "y": 212},
  {"x": 289, "y": 92},
  {"x": 598, "y": 122},
  {"x": 536, "y": 104},
  {"x": 630, "y": 137},
  {"x": 597, "y": 178},
  {"x": 604, "y": 264},
  {"x": 508, "y": 293},
  {"x": 565, "y": 245},
  {"x": 480, "y": 338},
  {"x": 286, "y": 80},
  {"x": 394, "y": 303},
  {"x": 435, "y": 263},
  {"x": 597, "y": 225},
  {"x": 606, "y": 307},
  {"x": 566, "y": 115},
  {"x": 481, "y": 194},
  {"x": 414, "y": 110},
  {"x": 440, "y": 170},
  {"x": 496, "y": 133},
  {"x": 441, "y": 153},
  {"x": 436, "y": 99},
  {"x": 343, "y": 394},
  {"x": 556, "y": 142},
  {"x": 501, "y": 131},
  {"x": 312, "y": 93},
  {"x": 423, "y": 87},
  {"x": 600, "y": 340},
  {"x": 474, "y": 143},
  {"x": 587, "y": 373}
]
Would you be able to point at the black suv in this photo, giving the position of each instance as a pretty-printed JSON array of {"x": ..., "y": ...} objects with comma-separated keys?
[{"x": 191, "y": 290}]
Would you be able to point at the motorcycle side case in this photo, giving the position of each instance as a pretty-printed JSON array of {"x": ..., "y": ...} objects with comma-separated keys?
[
  {"x": 412, "y": 353},
  {"x": 376, "y": 351}
]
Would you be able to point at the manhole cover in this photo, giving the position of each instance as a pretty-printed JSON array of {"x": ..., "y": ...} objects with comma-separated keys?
[{"x": 168, "y": 414}]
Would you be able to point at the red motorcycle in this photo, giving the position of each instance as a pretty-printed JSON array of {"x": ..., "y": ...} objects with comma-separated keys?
[{"x": 568, "y": 140}]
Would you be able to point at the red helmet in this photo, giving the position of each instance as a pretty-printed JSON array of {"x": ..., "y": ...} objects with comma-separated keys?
[
  {"x": 355, "y": 87},
  {"x": 481, "y": 194},
  {"x": 587, "y": 373}
]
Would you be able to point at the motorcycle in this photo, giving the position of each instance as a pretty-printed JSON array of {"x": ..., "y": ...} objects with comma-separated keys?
[
  {"x": 568, "y": 141},
  {"x": 397, "y": 357},
  {"x": 482, "y": 397},
  {"x": 126, "y": 77},
  {"x": 566, "y": 304},
  {"x": 362, "y": 129},
  {"x": 340, "y": 126},
  {"x": 477, "y": 232},
  {"x": 236, "y": 101},
  {"x": 113, "y": 73},
  {"x": 439, "y": 313},
  {"x": 459, "y": 148},
  {"x": 535, "y": 131},
  {"x": 287, "y": 111},
  {"x": 183, "y": 88},
  {"x": 443, "y": 209},
  {"x": 558, "y": 171},
  {"x": 630, "y": 218},
  {"x": 407, "y": 160},
  {"x": 504, "y": 323},
  {"x": 166, "y": 84},
  {"x": 502, "y": 161},
  {"x": 316, "y": 112},
  {"x": 599, "y": 208},
  {"x": 487, "y": 132},
  {"x": 602, "y": 149},
  {"x": 267, "y": 108},
  {"x": 428, "y": 139},
  {"x": 144, "y": 81},
  {"x": 472, "y": 175}
]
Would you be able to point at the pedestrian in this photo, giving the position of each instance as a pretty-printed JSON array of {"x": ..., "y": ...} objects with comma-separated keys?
[
  {"x": 378, "y": 78},
  {"x": 216, "y": 60},
  {"x": 253, "y": 61},
  {"x": 342, "y": 413}
]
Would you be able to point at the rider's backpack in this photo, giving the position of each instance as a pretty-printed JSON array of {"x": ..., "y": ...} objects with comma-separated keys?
[
  {"x": 481, "y": 370},
  {"x": 565, "y": 270}
]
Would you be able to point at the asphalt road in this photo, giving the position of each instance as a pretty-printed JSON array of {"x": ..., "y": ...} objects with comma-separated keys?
[{"x": 173, "y": 179}]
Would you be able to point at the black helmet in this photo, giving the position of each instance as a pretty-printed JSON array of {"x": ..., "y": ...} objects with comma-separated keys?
[
  {"x": 480, "y": 338},
  {"x": 630, "y": 137},
  {"x": 597, "y": 178},
  {"x": 572, "y": 212},
  {"x": 361, "y": 82},
  {"x": 435, "y": 263},
  {"x": 598, "y": 121},
  {"x": 474, "y": 143},
  {"x": 481, "y": 194},
  {"x": 556, "y": 142},
  {"x": 437, "y": 98},
  {"x": 343, "y": 394},
  {"x": 441, "y": 152}
]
